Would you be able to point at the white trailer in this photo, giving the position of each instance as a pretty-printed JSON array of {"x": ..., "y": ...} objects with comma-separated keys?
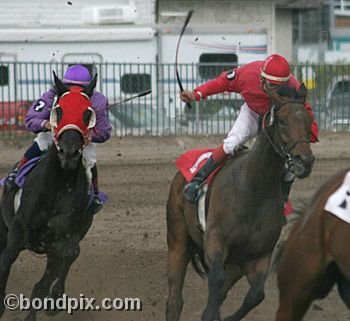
[
  {"x": 38, "y": 52},
  {"x": 128, "y": 53}
]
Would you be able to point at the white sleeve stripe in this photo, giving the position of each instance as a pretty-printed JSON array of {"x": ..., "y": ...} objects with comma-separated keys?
[{"x": 199, "y": 93}]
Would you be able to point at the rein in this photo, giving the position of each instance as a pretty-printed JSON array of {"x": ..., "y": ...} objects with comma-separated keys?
[{"x": 280, "y": 150}]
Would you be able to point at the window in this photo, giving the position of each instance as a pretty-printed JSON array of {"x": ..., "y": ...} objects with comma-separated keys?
[
  {"x": 4, "y": 75},
  {"x": 218, "y": 63},
  {"x": 311, "y": 26},
  {"x": 135, "y": 83},
  {"x": 341, "y": 88}
]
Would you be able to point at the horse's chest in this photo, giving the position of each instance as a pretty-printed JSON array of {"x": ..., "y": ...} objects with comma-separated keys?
[
  {"x": 45, "y": 231},
  {"x": 253, "y": 238},
  {"x": 61, "y": 212}
]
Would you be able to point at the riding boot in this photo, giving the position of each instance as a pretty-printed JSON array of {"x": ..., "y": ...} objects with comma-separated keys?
[
  {"x": 10, "y": 181},
  {"x": 96, "y": 204},
  {"x": 191, "y": 190},
  {"x": 31, "y": 152}
]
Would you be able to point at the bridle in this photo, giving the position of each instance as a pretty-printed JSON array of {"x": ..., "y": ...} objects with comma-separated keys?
[{"x": 279, "y": 148}]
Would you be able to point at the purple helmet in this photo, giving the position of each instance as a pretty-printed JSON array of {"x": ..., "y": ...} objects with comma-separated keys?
[{"x": 77, "y": 75}]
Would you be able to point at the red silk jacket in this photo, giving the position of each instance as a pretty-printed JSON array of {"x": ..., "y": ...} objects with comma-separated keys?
[{"x": 245, "y": 80}]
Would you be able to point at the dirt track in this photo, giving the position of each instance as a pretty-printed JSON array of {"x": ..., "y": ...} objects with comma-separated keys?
[{"x": 124, "y": 253}]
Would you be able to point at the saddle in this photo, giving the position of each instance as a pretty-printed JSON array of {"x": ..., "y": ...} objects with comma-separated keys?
[{"x": 190, "y": 162}]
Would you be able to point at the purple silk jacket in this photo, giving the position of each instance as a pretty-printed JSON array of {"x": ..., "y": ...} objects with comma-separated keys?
[{"x": 39, "y": 113}]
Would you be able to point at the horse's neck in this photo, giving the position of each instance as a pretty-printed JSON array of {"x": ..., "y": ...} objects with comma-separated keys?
[{"x": 263, "y": 163}]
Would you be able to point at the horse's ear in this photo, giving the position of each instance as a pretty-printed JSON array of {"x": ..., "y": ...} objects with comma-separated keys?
[
  {"x": 89, "y": 89},
  {"x": 274, "y": 96},
  {"x": 61, "y": 88},
  {"x": 302, "y": 92}
]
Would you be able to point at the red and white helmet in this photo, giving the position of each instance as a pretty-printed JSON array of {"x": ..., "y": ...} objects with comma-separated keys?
[{"x": 276, "y": 69}]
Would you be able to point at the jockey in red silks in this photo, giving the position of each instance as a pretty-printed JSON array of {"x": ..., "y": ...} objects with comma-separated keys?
[
  {"x": 251, "y": 81},
  {"x": 37, "y": 121}
]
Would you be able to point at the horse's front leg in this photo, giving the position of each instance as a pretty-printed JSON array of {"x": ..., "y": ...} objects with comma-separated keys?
[
  {"x": 215, "y": 255},
  {"x": 42, "y": 288},
  {"x": 178, "y": 259},
  {"x": 232, "y": 274},
  {"x": 3, "y": 232},
  {"x": 16, "y": 238},
  {"x": 256, "y": 272},
  {"x": 67, "y": 250}
]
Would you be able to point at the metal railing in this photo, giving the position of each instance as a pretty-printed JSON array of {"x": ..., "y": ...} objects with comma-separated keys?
[{"x": 162, "y": 112}]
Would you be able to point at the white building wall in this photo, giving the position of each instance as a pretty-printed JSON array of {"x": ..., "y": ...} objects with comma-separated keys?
[
  {"x": 283, "y": 34},
  {"x": 38, "y": 13},
  {"x": 236, "y": 17}
]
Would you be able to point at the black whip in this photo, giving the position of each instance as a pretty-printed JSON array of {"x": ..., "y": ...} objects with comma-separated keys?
[
  {"x": 144, "y": 93},
  {"x": 188, "y": 18}
]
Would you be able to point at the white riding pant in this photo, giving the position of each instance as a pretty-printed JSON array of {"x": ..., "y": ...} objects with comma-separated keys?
[
  {"x": 45, "y": 140},
  {"x": 245, "y": 127}
]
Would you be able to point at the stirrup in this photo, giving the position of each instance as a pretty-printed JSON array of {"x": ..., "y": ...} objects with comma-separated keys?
[
  {"x": 10, "y": 181},
  {"x": 95, "y": 206},
  {"x": 192, "y": 191}
]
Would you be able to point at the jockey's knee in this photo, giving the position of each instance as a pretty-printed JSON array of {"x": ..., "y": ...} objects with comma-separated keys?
[
  {"x": 44, "y": 140},
  {"x": 232, "y": 142},
  {"x": 228, "y": 148}
]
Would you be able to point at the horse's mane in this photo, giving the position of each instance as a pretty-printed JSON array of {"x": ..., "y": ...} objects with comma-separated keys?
[{"x": 288, "y": 91}]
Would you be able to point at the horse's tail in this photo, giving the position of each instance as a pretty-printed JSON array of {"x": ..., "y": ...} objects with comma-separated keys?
[
  {"x": 197, "y": 259},
  {"x": 286, "y": 229}
]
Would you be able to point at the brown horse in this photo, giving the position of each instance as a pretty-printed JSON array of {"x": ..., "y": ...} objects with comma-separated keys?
[
  {"x": 315, "y": 256},
  {"x": 244, "y": 208}
]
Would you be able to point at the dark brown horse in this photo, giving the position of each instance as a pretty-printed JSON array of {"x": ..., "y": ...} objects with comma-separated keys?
[
  {"x": 244, "y": 211},
  {"x": 315, "y": 256},
  {"x": 52, "y": 216}
]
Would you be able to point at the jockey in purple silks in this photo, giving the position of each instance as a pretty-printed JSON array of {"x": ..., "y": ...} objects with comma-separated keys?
[{"x": 37, "y": 121}]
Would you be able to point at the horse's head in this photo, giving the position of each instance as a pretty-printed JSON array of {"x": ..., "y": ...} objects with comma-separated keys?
[
  {"x": 72, "y": 119},
  {"x": 292, "y": 128}
]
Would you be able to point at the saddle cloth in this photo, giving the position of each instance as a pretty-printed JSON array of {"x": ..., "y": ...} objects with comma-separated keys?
[
  {"x": 25, "y": 170},
  {"x": 338, "y": 203},
  {"x": 190, "y": 162}
]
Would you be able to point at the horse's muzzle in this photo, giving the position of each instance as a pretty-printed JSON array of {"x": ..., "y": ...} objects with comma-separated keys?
[
  {"x": 302, "y": 165},
  {"x": 69, "y": 161}
]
